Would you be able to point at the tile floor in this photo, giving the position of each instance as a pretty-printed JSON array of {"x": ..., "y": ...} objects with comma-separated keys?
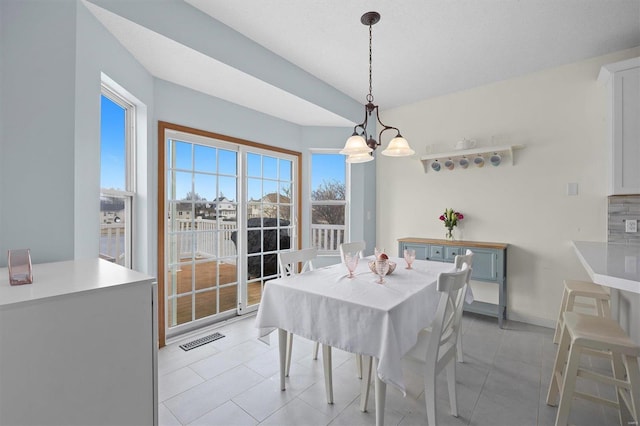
[{"x": 235, "y": 381}]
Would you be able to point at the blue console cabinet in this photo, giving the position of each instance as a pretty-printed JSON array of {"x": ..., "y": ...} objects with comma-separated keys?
[{"x": 489, "y": 265}]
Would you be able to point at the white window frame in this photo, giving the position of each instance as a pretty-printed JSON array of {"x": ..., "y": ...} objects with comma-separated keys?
[
  {"x": 346, "y": 203},
  {"x": 128, "y": 194}
]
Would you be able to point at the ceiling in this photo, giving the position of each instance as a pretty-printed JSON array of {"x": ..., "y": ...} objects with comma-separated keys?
[{"x": 421, "y": 48}]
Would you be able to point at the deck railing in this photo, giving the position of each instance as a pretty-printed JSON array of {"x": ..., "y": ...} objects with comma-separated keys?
[
  {"x": 206, "y": 243},
  {"x": 197, "y": 236},
  {"x": 327, "y": 238},
  {"x": 112, "y": 242}
]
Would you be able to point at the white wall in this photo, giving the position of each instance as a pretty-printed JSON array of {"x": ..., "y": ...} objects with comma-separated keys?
[{"x": 559, "y": 114}]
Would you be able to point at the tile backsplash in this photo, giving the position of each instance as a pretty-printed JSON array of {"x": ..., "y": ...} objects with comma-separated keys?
[{"x": 621, "y": 208}]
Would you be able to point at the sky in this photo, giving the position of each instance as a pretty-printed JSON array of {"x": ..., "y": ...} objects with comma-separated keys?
[
  {"x": 112, "y": 136},
  {"x": 208, "y": 171}
]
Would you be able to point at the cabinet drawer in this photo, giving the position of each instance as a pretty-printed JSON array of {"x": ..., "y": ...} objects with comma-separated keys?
[
  {"x": 436, "y": 253},
  {"x": 450, "y": 252},
  {"x": 421, "y": 251}
]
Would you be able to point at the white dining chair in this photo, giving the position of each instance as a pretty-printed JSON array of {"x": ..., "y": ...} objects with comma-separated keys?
[
  {"x": 436, "y": 347},
  {"x": 289, "y": 264},
  {"x": 459, "y": 261},
  {"x": 353, "y": 247}
]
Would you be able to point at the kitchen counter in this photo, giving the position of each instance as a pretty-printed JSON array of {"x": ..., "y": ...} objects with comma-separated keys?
[{"x": 612, "y": 265}]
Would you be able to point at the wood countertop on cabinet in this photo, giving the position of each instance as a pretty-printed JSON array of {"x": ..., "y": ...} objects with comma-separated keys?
[{"x": 461, "y": 243}]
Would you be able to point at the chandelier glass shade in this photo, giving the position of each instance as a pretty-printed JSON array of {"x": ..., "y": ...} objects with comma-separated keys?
[{"x": 359, "y": 148}]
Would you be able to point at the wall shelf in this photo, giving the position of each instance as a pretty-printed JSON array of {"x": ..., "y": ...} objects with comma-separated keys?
[{"x": 505, "y": 152}]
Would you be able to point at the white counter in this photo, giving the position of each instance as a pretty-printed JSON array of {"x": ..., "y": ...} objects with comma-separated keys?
[
  {"x": 79, "y": 346},
  {"x": 612, "y": 265},
  {"x": 63, "y": 278}
]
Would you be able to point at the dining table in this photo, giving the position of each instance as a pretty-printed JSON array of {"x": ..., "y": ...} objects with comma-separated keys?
[{"x": 358, "y": 314}]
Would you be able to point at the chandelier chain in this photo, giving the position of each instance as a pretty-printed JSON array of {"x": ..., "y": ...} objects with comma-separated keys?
[{"x": 370, "y": 96}]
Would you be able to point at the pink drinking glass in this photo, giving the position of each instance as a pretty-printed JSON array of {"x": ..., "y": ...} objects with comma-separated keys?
[
  {"x": 409, "y": 257},
  {"x": 351, "y": 260},
  {"x": 382, "y": 267}
]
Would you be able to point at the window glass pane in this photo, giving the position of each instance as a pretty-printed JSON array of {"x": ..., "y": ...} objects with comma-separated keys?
[
  {"x": 205, "y": 158},
  {"x": 228, "y": 162},
  {"x": 227, "y": 188},
  {"x": 285, "y": 193},
  {"x": 180, "y": 189},
  {"x": 269, "y": 168},
  {"x": 113, "y": 228},
  {"x": 327, "y": 215},
  {"x": 269, "y": 191},
  {"x": 254, "y": 165},
  {"x": 328, "y": 177},
  {"x": 113, "y": 163},
  {"x": 254, "y": 189},
  {"x": 204, "y": 187},
  {"x": 179, "y": 155},
  {"x": 285, "y": 170}
]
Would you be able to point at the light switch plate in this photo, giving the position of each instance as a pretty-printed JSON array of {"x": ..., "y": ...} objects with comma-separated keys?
[{"x": 631, "y": 225}]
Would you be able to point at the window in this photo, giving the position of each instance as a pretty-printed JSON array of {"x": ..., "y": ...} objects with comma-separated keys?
[
  {"x": 329, "y": 201},
  {"x": 116, "y": 177}
]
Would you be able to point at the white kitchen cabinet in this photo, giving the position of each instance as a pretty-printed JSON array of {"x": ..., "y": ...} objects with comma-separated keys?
[
  {"x": 622, "y": 80},
  {"x": 78, "y": 346}
]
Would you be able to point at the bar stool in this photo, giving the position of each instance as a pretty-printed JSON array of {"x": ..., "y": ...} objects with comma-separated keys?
[
  {"x": 589, "y": 334},
  {"x": 573, "y": 289}
]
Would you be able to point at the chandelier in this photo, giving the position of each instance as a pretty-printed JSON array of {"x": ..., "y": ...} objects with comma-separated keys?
[{"x": 359, "y": 148}]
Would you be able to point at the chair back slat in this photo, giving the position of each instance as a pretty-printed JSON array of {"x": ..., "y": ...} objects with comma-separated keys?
[
  {"x": 353, "y": 247},
  {"x": 445, "y": 326},
  {"x": 288, "y": 261}
]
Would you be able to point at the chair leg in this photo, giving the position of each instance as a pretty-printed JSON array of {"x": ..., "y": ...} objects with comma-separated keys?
[
  {"x": 328, "y": 372},
  {"x": 430, "y": 394},
  {"x": 459, "y": 344},
  {"x": 316, "y": 346},
  {"x": 568, "y": 386},
  {"x": 558, "y": 366},
  {"x": 289, "y": 350},
  {"x": 633, "y": 375},
  {"x": 563, "y": 308},
  {"x": 619, "y": 372},
  {"x": 359, "y": 365},
  {"x": 451, "y": 379}
]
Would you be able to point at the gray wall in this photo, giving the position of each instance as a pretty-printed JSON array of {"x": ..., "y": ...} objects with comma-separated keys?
[{"x": 38, "y": 103}]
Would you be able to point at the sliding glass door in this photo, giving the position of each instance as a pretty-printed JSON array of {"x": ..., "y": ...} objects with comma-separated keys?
[
  {"x": 270, "y": 228},
  {"x": 229, "y": 209},
  {"x": 202, "y": 194}
]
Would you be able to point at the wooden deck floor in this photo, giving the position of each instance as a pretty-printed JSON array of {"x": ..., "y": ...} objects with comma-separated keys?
[{"x": 206, "y": 303}]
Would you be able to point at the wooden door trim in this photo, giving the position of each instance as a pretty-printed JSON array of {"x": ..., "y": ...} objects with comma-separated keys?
[{"x": 163, "y": 126}]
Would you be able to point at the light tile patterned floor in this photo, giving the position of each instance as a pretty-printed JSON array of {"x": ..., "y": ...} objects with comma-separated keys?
[{"x": 234, "y": 381}]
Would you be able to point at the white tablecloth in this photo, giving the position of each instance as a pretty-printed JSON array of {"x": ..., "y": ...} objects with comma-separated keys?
[{"x": 357, "y": 314}]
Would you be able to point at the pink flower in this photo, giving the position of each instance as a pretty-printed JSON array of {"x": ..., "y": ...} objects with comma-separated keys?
[
  {"x": 460, "y": 216},
  {"x": 442, "y": 217}
]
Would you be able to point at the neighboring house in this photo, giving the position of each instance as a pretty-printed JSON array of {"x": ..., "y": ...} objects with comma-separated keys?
[{"x": 268, "y": 205}]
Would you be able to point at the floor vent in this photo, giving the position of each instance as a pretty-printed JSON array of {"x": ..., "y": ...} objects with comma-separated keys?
[{"x": 201, "y": 341}]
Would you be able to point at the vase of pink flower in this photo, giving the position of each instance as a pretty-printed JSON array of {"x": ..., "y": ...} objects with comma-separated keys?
[{"x": 450, "y": 219}]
